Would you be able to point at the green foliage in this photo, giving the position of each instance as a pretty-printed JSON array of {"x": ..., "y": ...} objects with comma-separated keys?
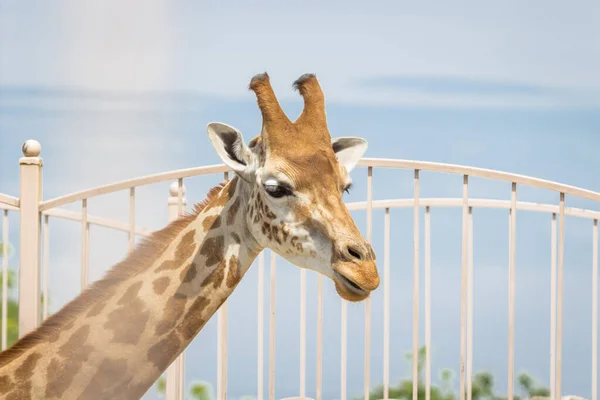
[
  {"x": 482, "y": 385},
  {"x": 530, "y": 387},
  {"x": 161, "y": 386},
  {"x": 12, "y": 304},
  {"x": 12, "y": 309},
  {"x": 199, "y": 390},
  {"x": 9, "y": 249}
]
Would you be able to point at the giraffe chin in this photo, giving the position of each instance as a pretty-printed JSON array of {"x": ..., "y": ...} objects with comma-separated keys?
[{"x": 347, "y": 290}]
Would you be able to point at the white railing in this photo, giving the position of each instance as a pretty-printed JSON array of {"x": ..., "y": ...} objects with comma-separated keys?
[{"x": 34, "y": 241}]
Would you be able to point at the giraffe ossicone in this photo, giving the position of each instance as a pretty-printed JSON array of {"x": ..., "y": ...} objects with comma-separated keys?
[{"x": 117, "y": 337}]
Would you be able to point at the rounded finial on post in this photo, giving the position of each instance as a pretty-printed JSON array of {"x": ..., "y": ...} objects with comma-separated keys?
[
  {"x": 174, "y": 189},
  {"x": 31, "y": 148}
]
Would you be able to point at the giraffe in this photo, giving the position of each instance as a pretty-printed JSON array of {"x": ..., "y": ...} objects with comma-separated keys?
[{"x": 115, "y": 339}]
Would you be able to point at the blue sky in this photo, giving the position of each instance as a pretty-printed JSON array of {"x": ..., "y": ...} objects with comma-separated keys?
[{"x": 114, "y": 91}]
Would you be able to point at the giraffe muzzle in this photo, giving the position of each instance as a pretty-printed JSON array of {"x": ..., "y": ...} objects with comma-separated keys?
[
  {"x": 355, "y": 281},
  {"x": 348, "y": 289},
  {"x": 350, "y": 284}
]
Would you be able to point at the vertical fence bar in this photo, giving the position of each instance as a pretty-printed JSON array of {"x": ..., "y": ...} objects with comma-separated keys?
[
  {"x": 131, "y": 218},
  {"x": 181, "y": 358},
  {"x": 344, "y": 348},
  {"x": 465, "y": 210},
  {"x": 272, "y": 329},
  {"x": 595, "y": 311},
  {"x": 470, "y": 309},
  {"x": 30, "y": 234},
  {"x": 553, "y": 310},
  {"x": 176, "y": 371},
  {"x": 415, "y": 361},
  {"x": 84, "y": 245},
  {"x": 222, "y": 344},
  {"x": 427, "y": 303},
  {"x": 386, "y": 304},
  {"x": 4, "y": 278},
  {"x": 511, "y": 292},
  {"x": 260, "y": 326},
  {"x": 319, "y": 337},
  {"x": 46, "y": 264},
  {"x": 561, "y": 250},
  {"x": 368, "y": 300},
  {"x": 509, "y": 250},
  {"x": 179, "y": 197},
  {"x": 302, "y": 332},
  {"x": 223, "y": 351}
]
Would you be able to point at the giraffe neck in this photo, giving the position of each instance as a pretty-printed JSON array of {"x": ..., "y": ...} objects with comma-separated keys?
[{"x": 117, "y": 337}]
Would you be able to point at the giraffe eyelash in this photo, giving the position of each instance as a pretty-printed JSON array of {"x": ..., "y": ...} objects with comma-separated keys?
[{"x": 347, "y": 188}]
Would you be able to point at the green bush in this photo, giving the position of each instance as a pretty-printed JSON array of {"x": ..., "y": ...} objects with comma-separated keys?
[
  {"x": 482, "y": 386},
  {"x": 12, "y": 306}
]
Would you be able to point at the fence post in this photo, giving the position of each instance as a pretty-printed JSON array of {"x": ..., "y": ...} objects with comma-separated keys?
[
  {"x": 175, "y": 371},
  {"x": 30, "y": 232}
]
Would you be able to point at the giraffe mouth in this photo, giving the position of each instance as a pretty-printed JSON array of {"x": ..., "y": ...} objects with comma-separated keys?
[{"x": 349, "y": 285}]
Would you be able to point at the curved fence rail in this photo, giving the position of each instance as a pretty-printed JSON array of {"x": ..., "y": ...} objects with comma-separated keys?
[
  {"x": 8, "y": 202},
  {"x": 35, "y": 214}
]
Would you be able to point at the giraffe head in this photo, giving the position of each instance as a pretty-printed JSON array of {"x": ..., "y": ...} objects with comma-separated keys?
[{"x": 296, "y": 175}]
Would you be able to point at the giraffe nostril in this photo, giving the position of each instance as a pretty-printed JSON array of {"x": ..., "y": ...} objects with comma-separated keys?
[{"x": 354, "y": 253}]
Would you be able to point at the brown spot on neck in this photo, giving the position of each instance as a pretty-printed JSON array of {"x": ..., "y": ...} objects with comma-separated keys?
[
  {"x": 164, "y": 352},
  {"x": 188, "y": 274},
  {"x": 194, "y": 319},
  {"x": 171, "y": 314},
  {"x": 232, "y": 210},
  {"x": 69, "y": 360},
  {"x": 166, "y": 265},
  {"x": 212, "y": 249},
  {"x": 160, "y": 285},
  {"x": 184, "y": 251},
  {"x": 26, "y": 369},
  {"x": 186, "y": 247},
  {"x": 95, "y": 310},
  {"x": 107, "y": 381},
  {"x": 233, "y": 272},
  {"x": 5, "y": 384},
  {"x": 130, "y": 294},
  {"x": 20, "y": 391},
  {"x": 75, "y": 342},
  {"x": 21, "y": 388},
  {"x": 216, "y": 276},
  {"x": 54, "y": 335},
  {"x": 128, "y": 321},
  {"x": 211, "y": 222}
]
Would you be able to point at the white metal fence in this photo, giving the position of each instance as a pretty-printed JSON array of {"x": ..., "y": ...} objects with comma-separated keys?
[{"x": 35, "y": 212}]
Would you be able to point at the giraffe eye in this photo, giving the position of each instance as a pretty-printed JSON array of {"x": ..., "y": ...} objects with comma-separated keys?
[{"x": 277, "y": 191}]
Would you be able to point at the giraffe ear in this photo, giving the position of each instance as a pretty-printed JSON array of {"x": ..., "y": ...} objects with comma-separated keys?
[
  {"x": 349, "y": 150},
  {"x": 230, "y": 147}
]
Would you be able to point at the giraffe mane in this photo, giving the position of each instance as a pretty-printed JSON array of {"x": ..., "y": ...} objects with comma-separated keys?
[{"x": 147, "y": 251}]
